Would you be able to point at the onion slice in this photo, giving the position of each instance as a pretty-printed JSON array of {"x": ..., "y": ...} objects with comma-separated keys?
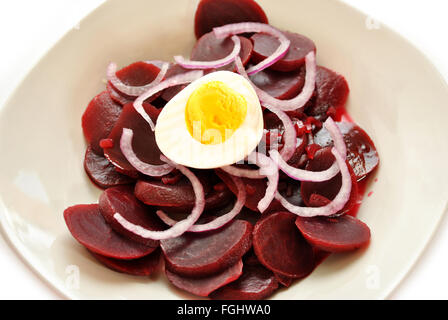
[
  {"x": 134, "y": 91},
  {"x": 180, "y": 227},
  {"x": 334, "y": 206},
  {"x": 245, "y": 27},
  {"x": 170, "y": 82},
  {"x": 145, "y": 168},
  {"x": 337, "y": 136},
  {"x": 190, "y": 64},
  {"x": 270, "y": 169},
  {"x": 289, "y": 135},
  {"x": 296, "y": 103},
  {"x": 219, "y": 221}
]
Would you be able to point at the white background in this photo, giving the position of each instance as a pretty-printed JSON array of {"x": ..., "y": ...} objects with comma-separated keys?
[{"x": 28, "y": 28}]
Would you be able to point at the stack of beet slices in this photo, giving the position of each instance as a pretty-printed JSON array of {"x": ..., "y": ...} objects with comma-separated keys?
[{"x": 255, "y": 254}]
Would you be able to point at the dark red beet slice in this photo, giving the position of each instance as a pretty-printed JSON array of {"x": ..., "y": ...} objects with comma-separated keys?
[
  {"x": 256, "y": 283},
  {"x": 361, "y": 151},
  {"x": 156, "y": 193},
  {"x": 281, "y": 85},
  {"x": 208, "y": 48},
  {"x": 136, "y": 74},
  {"x": 331, "y": 92},
  {"x": 138, "y": 267},
  {"x": 122, "y": 200},
  {"x": 339, "y": 234},
  {"x": 144, "y": 142},
  {"x": 207, "y": 253},
  {"x": 204, "y": 286},
  {"x": 88, "y": 226},
  {"x": 323, "y": 159},
  {"x": 99, "y": 119},
  {"x": 265, "y": 45},
  {"x": 281, "y": 248},
  {"x": 284, "y": 280},
  {"x": 102, "y": 172},
  {"x": 215, "y": 13},
  {"x": 255, "y": 189}
]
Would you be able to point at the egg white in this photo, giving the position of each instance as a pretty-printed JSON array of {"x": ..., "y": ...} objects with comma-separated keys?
[{"x": 176, "y": 142}]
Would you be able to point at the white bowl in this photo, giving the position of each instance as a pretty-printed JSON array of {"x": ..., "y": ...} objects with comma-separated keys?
[{"x": 397, "y": 96}]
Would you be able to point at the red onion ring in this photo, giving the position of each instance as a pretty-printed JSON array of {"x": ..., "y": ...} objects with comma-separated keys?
[
  {"x": 296, "y": 103},
  {"x": 134, "y": 91},
  {"x": 306, "y": 175},
  {"x": 170, "y": 82},
  {"x": 245, "y": 27},
  {"x": 219, "y": 221},
  {"x": 190, "y": 64},
  {"x": 145, "y": 168},
  {"x": 270, "y": 169},
  {"x": 180, "y": 227},
  {"x": 334, "y": 206},
  {"x": 289, "y": 135}
]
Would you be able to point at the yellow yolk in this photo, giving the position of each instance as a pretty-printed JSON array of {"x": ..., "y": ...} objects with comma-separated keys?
[{"x": 214, "y": 112}]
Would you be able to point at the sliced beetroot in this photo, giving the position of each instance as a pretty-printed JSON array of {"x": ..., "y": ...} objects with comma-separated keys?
[
  {"x": 255, "y": 190},
  {"x": 361, "y": 151},
  {"x": 344, "y": 233},
  {"x": 207, "y": 253},
  {"x": 98, "y": 120},
  {"x": 122, "y": 200},
  {"x": 280, "y": 85},
  {"x": 157, "y": 193},
  {"x": 136, "y": 74},
  {"x": 138, "y": 267},
  {"x": 208, "y": 48},
  {"x": 281, "y": 248},
  {"x": 204, "y": 286},
  {"x": 331, "y": 92},
  {"x": 265, "y": 45},
  {"x": 102, "y": 172},
  {"x": 322, "y": 160},
  {"x": 256, "y": 283},
  {"x": 143, "y": 142},
  {"x": 284, "y": 280},
  {"x": 215, "y": 13},
  {"x": 88, "y": 226}
]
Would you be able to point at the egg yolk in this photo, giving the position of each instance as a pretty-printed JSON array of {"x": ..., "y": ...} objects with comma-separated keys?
[{"x": 214, "y": 112}]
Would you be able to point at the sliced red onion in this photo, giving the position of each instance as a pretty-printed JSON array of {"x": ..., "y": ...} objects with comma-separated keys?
[
  {"x": 134, "y": 91},
  {"x": 180, "y": 227},
  {"x": 243, "y": 173},
  {"x": 245, "y": 27},
  {"x": 170, "y": 82},
  {"x": 145, "y": 168},
  {"x": 270, "y": 169},
  {"x": 296, "y": 103},
  {"x": 337, "y": 136},
  {"x": 219, "y": 221},
  {"x": 190, "y": 64},
  {"x": 334, "y": 206},
  {"x": 289, "y": 135}
]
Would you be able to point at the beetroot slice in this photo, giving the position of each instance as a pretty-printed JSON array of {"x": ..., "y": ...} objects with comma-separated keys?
[
  {"x": 265, "y": 45},
  {"x": 361, "y": 151},
  {"x": 256, "y": 283},
  {"x": 207, "y": 253},
  {"x": 143, "y": 142},
  {"x": 122, "y": 200},
  {"x": 331, "y": 92},
  {"x": 280, "y": 85},
  {"x": 322, "y": 160},
  {"x": 88, "y": 226},
  {"x": 344, "y": 233},
  {"x": 208, "y": 48},
  {"x": 216, "y": 13},
  {"x": 136, "y": 74},
  {"x": 284, "y": 280},
  {"x": 181, "y": 194},
  {"x": 99, "y": 119},
  {"x": 281, "y": 248},
  {"x": 255, "y": 189},
  {"x": 204, "y": 286},
  {"x": 138, "y": 267},
  {"x": 102, "y": 172}
]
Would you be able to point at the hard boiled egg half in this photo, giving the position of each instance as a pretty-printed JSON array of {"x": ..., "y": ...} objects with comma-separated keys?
[{"x": 215, "y": 121}]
